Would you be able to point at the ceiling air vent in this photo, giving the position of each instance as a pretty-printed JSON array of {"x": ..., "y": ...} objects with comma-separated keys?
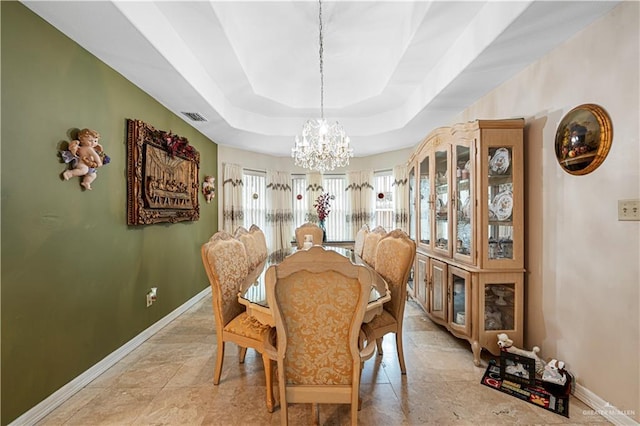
[{"x": 194, "y": 116}]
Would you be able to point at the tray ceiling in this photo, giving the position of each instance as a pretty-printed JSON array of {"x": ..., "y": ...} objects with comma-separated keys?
[{"x": 393, "y": 70}]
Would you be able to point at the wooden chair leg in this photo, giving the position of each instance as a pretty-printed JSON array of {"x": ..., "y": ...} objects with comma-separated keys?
[
  {"x": 315, "y": 413},
  {"x": 268, "y": 372},
  {"x": 379, "y": 345},
  {"x": 403, "y": 368},
  {"x": 243, "y": 353},
  {"x": 219, "y": 358}
]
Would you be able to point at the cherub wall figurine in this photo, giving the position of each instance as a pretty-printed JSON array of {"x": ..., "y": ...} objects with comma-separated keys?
[
  {"x": 209, "y": 188},
  {"x": 84, "y": 155}
]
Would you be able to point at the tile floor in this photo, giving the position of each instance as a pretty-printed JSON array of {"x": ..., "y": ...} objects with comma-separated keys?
[{"x": 168, "y": 381}]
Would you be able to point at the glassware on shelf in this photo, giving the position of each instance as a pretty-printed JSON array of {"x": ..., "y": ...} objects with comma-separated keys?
[
  {"x": 459, "y": 316},
  {"x": 499, "y": 306},
  {"x": 506, "y": 248},
  {"x": 493, "y": 248}
]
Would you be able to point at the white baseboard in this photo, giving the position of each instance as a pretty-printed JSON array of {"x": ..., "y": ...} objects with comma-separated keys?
[
  {"x": 601, "y": 407},
  {"x": 45, "y": 407}
]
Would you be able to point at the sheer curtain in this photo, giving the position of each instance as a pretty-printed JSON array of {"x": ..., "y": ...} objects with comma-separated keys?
[
  {"x": 314, "y": 189},
  {"x": 232, "y": 211},
  {"x": 279, "y": 210},
  {"x": 401, "y": 197},
  {"x": 360, "y": 190}
]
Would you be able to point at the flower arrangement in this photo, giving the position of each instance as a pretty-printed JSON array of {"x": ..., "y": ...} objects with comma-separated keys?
[{"x": 323, "y": 206}]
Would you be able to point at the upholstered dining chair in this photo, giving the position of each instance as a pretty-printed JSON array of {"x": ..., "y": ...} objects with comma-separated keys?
[
  {"x": 318, "y": 298},
  {"x": 309, "y": 228},
  {"x": 225, "y": 262},
  {"x": 361, "y": 235},
  {"x": 254, "y": 255},
  {"x": 261, "y": 240},
  {"x": 394, "y": 258},
  {"x": 371, "y": 244}
]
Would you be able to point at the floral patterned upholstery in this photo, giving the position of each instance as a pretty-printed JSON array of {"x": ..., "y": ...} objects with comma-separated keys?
[
  {"x": 226, "y": 264},
  {"x": 360, "y": 237},
  {"x": 225, "y": 261},
  {"x": 247, "y": 326},
  {"x": 254, "y": 253},
  {"x": 317, "y": 310},
  {"x": 261, "y": 241},
  {"x": 309, "y": 228},
  {"x": 318, "y": 298},
  {"x": 394, "y": 259},
  {"x": 371, "y": 245}
]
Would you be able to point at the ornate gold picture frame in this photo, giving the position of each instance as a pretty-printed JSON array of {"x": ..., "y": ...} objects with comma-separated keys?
[
  {"x": 162, "y": 176},
  {"x": 583, "y": 139}
]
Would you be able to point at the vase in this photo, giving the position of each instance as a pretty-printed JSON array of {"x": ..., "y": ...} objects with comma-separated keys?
[{"x": 324, "y": 231}]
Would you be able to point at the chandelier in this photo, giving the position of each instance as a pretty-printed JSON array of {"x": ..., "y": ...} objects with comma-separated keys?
[{"x": 322, "y": 146}]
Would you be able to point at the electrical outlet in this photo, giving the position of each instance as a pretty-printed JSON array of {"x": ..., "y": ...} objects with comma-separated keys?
[
  {"x": 628, "y": 209},
  {"x": 152, "y": 295}
]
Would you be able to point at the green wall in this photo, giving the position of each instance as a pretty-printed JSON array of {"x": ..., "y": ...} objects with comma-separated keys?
[{"x": 74, "y": 275}]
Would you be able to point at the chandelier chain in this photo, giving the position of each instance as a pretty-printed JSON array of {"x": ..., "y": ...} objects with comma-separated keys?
[{"x": 321, "y": 61}]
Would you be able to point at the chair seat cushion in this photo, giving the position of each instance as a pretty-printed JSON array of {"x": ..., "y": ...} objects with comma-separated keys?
[
  {"x": 382, "y": 321},
  {"x": 247, "y": 326}
]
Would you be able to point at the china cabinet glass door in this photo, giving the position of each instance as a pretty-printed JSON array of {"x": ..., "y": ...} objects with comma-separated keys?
[
  {"x": 503, "y": 194},
  {"x": 425, "y": 202},
  {"x": 460, "y": 300},
  {"x": 464, "y": 209},
  {"x": 501, "y": 301},
  {"x": 442, "y": 201}
]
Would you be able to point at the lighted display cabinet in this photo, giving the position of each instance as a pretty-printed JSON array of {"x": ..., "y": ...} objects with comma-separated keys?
[{"x": 466, "y": 203}]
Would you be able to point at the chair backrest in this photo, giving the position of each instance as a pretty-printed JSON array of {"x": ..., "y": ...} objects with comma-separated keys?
[
  {"x": 318, "y": 298},
  {"x": 254, "y": 254},
  {"x": 360, "y": 237},
  {"x": 309, "y": 228},
  {"x": 394, "y": 258},
  {"x": 371, "y": 244},
  {"x": 225, "y": 261},
  {"x": 261, "y": 240}
]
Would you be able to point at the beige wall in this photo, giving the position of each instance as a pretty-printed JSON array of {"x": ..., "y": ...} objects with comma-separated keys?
[
  {"x": 583, "y": 277},
  {"x": 583, "y": 273}
]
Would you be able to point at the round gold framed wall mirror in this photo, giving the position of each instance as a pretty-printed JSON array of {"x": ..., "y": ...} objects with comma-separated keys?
[{"x": 583, "y": 139}]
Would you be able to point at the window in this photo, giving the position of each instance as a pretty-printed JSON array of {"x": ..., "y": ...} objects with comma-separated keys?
[
  {"x": 384, "y": 215},
  {"x": 255, "y": 203},
  {"x": 254, "y": 194},
  {"x": 336, "y": 223}
]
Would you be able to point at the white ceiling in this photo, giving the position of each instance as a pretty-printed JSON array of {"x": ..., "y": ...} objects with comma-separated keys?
[{"x": 393, "y": 70}]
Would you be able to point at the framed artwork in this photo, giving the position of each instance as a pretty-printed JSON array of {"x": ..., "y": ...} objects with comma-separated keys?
[
  {"x": 583, "y": 139},
  {"x": 517, "y": 368},
  {"x": 162, "y": 176}
]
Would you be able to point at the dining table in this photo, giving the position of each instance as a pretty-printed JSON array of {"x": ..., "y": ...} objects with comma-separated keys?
[{"x": 253, "y": 291}]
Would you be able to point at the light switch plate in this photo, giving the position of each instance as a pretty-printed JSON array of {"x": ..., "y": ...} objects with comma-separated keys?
[{"x": 628, "y": 209}]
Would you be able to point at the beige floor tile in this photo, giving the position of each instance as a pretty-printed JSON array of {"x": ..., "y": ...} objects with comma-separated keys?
[{"x": 168, "y": 380}]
